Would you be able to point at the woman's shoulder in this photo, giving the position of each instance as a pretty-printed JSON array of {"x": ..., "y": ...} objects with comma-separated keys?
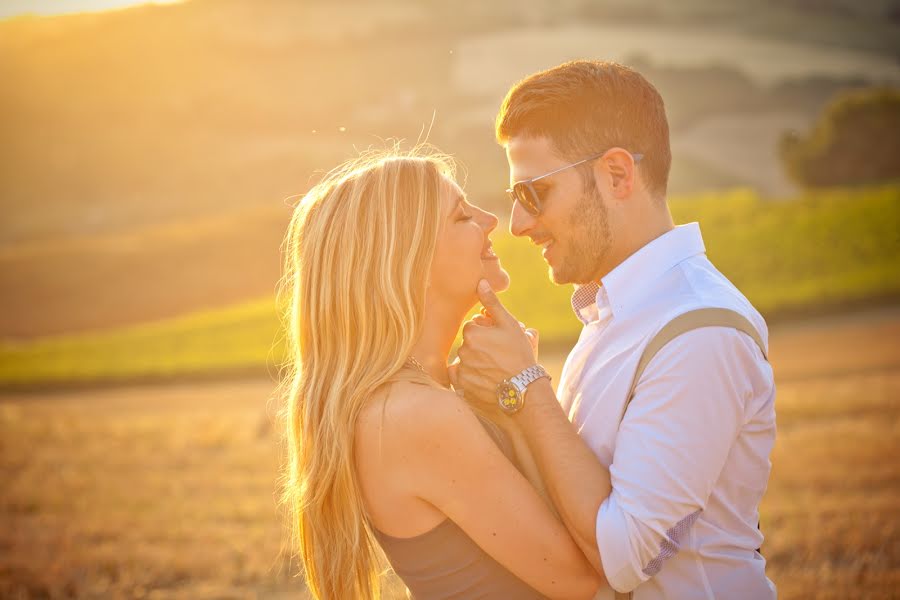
[
  {"x": 408, "y": 437},
  {"x": 395, "y": 458},
  {"x": 409, "y": 410}
]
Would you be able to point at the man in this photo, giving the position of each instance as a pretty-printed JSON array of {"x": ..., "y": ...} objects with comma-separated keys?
[{"x": 659, "y": 482}]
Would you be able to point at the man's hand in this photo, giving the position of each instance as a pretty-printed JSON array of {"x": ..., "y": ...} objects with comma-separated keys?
[
  {"x": 495, "y": 347},
  {"x": 482, "y": 318}
]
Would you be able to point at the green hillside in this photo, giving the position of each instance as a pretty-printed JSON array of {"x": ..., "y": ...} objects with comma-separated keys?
[{"x": 819, "y": 251}]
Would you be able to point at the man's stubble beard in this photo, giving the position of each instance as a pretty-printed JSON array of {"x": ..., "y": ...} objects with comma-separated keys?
[{"x": 588, "y": 241}]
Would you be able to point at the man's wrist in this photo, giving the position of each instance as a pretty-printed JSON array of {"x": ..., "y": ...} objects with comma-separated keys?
[
  {"x": 511, "y": 392},
  {"x": 538, "y": 396}
]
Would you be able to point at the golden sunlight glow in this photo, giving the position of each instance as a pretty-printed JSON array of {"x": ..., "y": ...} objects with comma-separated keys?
[{"x": 12, "y": 8}]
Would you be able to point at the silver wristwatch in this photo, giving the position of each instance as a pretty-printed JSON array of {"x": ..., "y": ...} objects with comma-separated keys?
[{"x": 511, "y": 392}]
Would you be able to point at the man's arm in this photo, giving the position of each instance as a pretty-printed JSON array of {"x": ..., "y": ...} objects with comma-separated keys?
[
  {"x": 682, "y": 427},
  {"x": 577, "y": 482},
  {"x": 688, "y": 410}
]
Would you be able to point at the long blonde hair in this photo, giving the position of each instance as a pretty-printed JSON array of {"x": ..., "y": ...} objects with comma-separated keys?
[{"x": 357, "y": 256}]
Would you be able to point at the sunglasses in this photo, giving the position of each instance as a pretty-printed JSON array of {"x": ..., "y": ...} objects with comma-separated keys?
[{"x": 525, "y": 194}]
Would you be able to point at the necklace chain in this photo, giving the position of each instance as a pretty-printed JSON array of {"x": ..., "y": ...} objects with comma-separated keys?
[{"x": 412, "y": 360}]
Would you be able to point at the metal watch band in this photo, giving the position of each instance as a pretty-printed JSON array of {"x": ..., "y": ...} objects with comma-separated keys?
[{"x": 526, "y": 376}]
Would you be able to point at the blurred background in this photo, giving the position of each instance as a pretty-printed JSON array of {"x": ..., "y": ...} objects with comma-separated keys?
[{"x": 151, "y": 155}]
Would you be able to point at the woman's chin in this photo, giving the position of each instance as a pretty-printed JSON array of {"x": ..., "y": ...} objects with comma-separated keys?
[{"x": 497, "y": 277}]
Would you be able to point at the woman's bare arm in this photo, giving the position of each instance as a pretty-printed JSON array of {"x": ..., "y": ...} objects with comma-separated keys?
[{"x": 449, "y": 460}]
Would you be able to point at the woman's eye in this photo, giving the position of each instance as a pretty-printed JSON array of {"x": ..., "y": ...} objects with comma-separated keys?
[{"x": 465, "y": 218}]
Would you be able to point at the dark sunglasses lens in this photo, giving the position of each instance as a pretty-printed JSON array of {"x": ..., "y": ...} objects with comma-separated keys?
[{"x": 526, "y": 197}]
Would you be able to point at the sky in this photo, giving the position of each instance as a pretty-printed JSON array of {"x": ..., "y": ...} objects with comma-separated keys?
[{"x": 12, "y": 8}]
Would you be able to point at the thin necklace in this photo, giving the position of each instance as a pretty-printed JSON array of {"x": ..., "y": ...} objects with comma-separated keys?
[
  {"x": 412, "y": 360},
  {"x": 417, "y": 364}
]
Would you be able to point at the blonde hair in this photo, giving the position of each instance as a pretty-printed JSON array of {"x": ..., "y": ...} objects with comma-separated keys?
[{"x": 357, "y": 255}]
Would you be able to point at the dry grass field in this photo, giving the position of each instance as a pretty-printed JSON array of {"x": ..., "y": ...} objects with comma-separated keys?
[{"x": 168, "y": 491}]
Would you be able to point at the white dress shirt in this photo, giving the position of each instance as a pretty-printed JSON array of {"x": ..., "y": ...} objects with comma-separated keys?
[{"x": 690, "y": 461}]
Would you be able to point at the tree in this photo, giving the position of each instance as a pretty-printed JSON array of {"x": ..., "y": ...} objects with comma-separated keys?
[{"x": 855, "y": 141}]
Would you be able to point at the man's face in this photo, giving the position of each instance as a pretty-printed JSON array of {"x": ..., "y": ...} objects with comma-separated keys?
[{"x": 573, "y": 227}]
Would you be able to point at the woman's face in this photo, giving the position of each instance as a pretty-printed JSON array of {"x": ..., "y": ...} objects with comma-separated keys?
[{"x": 463, "y": 254}]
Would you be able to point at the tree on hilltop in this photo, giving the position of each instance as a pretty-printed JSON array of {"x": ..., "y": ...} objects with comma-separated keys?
[{"x": 855, "y": 141}]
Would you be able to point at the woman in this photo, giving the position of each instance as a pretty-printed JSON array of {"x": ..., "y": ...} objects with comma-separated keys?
[{"x": 384, "y": 460}]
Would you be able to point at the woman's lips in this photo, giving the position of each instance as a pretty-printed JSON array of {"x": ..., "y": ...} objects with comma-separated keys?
[{"x": 488, "y": 253}]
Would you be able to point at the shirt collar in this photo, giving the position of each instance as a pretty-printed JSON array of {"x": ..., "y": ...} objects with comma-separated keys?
[
  {"x": 584, "y": 302},
  {"x": 625, "y": 284},
  {"x": 590, "y": 303}
]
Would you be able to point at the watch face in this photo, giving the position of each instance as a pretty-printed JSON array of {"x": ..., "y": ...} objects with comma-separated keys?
[{"x": 509, "y": 397}]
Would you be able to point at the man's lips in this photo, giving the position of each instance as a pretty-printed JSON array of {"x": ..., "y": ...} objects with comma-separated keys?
[{"x": 544, "y": 242}]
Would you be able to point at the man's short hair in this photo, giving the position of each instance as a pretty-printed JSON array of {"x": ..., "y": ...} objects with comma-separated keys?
[{"x": 587, "y": 106}]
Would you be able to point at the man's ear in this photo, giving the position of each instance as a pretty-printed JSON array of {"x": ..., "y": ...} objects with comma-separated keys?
[{"x": 618, "y": 167}]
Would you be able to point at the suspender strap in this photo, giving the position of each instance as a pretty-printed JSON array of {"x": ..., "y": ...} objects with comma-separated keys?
[{"x": 695, "y": 319}]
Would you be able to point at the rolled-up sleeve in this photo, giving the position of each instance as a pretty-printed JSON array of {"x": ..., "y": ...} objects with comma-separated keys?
[{"x": 686, "y": 413}]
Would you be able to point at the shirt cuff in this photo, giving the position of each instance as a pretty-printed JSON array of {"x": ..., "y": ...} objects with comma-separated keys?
[{"x": 616, "y": 551}]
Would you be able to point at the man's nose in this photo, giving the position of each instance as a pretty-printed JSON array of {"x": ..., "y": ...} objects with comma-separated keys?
[{"x": 520, "y": 221}]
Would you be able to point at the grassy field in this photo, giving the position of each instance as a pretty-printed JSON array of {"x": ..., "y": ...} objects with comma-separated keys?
[
  {"x": 221, "y": 340},
  {"x": 815, "y": 252},
  {"x": 169, "y": 491}
]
